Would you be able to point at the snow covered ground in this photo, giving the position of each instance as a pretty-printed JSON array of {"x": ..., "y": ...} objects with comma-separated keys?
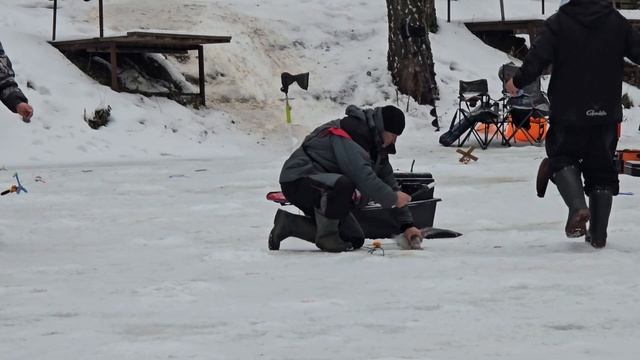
[{"x": 147, "y": 239}]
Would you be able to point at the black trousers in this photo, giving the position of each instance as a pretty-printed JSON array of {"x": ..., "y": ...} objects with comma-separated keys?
[
  {"x": 307, "y": 195},
  {"x": 335, "y": 202},
  {"x": 591, "y": 148}
]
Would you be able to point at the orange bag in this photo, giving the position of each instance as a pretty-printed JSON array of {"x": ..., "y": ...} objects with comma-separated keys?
[{"x": 625, "y": 156}]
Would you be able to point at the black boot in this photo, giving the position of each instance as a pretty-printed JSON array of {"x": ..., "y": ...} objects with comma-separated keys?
[
  {"x": 570, "y": 187},
  {"x": 351, "y": 231},
  {"x": 328, "y": 234},
  {"x": 286, "y": 224},
  {"x": 544, "y": 175},
  {"x": 600, "y": 201}
]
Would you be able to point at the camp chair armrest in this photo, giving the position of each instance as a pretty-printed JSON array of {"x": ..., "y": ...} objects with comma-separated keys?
[{"x": 476, "y": 97}]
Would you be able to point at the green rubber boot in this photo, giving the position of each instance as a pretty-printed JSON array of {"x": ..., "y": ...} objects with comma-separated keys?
[
  {"x": 600, "y": 201},
  {"x": 286, "y": 224},
  {"x": 569, "y": 185}
]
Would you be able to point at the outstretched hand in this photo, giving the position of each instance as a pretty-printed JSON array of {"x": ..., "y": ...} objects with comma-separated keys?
[
  {"x": 414, "y": 238},
  {"x": 412, "y": 232},
  {"x": 402, "y": 199},
  {"x": 511, "y": 88},
  {"x": 25, "y": 110}
]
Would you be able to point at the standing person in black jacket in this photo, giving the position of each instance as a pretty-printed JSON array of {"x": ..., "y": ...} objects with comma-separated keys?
[
  {"x": 10, "y": 93},
  {"x": 586, "y": 42},
  {"x": 320, "y": 178}
]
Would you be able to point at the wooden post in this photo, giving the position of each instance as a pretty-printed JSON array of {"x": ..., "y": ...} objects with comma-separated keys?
[
  {"x": 201, "y": 78},
  {"x": 448, "y": 11},
  {"x": 502, "y": 9},
  {"x": 114, "y": 67},
  {"x": 101, "y": 16},
  {"x": 532, "y": 34},
  {"x": 55, "y": 14}
]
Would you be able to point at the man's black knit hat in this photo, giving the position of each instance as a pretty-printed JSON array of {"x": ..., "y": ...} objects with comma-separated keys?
[{"x": 393, "y": 119}]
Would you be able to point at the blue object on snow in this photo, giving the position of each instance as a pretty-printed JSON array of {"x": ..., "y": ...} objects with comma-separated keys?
[{"x": 20, "y": 187}]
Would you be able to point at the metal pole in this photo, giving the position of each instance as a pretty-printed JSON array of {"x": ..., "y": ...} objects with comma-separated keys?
[
  {"x": 448, "y": 10},
  {"x": 203, "y": 98},
  {"x": 55, "y": 14},
  {"x": 502, "y": 9},
  {"x": 100, "y": 14},
  {"x": 542, "y": 7}
]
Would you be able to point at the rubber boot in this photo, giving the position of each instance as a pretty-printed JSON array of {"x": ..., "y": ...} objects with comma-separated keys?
[
  {"x": 600, "y": 201},
  {"x": 542, "y": 180},
  {"x": 570, "y": 187},
  {"x": 286, "y": 224},
  {"x": 328, "y": 234},
  {"x": 351, "y": 231}
]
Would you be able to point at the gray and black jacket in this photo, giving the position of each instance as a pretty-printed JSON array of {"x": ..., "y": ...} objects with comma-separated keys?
[
  {"x": 10, "y": 94},
  {"x": 362, "y": 159}
]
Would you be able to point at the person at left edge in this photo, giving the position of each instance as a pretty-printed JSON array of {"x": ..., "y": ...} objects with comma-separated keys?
[{"x": 10, "y": 94}]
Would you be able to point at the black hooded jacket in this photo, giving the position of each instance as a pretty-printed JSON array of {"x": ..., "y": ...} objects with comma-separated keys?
[{"x": 586, "y": 41}]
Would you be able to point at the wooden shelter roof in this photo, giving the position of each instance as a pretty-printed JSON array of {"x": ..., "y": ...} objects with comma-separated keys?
[{"x": 138, "y": 41}]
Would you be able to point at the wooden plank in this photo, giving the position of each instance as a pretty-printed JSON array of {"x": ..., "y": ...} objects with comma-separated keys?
[
  {"x": 97, "y": 42},
  {"x": 162, "y": 93},
  {"x": 176, "y": 43},
  {"x": 625, "y": 4},
  {"x": 87, "y": 41},
  {"x": 519, "y": 26},
  {"x": 141, "y": 42},
  {"x": 532, "y": 33},
  {"x": 205, "y": 39},
  {"x": 133, "y": 50},
  {"x": 466, "y": 155},
  {"x": 127, "y": 47},
  {"x": 513, "y": 25},
  {"x": 114, "y": 68}
]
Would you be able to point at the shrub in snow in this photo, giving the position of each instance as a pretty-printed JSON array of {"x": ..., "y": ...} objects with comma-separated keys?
[{"x": 101, "y": 117}]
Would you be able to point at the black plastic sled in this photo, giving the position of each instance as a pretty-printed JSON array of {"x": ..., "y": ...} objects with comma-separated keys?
[
  {"x": 381, "y": 223},
  {"x": 377, "y": 222}
]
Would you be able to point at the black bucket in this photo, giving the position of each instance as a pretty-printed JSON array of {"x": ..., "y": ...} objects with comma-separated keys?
[
  {"x": 381, "y": 223},
  {"x": 377, "y": 222}
]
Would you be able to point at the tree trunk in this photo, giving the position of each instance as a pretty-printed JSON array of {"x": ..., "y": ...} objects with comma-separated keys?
[
  {"x": 432, "y": 21},
  {"x": 409, "y": 59}
]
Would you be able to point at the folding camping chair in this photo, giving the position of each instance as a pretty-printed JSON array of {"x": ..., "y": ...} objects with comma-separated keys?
[
  {"x": 525, "y": 114},
  {"x": 479, "y": 113}
]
